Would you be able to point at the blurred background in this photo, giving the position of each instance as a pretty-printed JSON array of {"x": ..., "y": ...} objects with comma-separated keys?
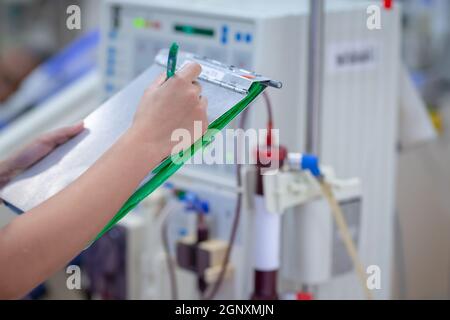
[{"x": 385, "y": 119}]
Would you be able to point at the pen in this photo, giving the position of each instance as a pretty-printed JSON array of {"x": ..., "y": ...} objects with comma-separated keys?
[{"x": 172, "y": 60}]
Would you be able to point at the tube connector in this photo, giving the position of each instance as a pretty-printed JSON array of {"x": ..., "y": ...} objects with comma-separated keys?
[{"x": 299, "y": 161}]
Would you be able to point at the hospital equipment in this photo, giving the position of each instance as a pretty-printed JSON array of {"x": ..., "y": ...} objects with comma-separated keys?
[
  {"x": 62, "y": 91},
  {"x": 320, "y": 197},
  {"x": 358, "y": 127},
  {"x": 74, "y": 61},
  {"x": 357, "y": 131}
]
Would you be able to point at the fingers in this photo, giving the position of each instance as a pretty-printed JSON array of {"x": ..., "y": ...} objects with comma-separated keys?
[
  {"x": 75, "y": 129},
  {"x": 190, "y": 71},
  {"x": 203, "y": 103},
  {"x": 198, "y": 88},
  {"x": 43, "y": 146},
  {"x": 60, "y": 136},
  {"x": 158, "y": 81}
]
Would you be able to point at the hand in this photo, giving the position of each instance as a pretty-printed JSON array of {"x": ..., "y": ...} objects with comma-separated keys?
[
  {"x": 35, "y": 151},
  {"x": 170, "y": 105}
]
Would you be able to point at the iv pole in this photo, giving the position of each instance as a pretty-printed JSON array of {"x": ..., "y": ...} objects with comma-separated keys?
[{"x": 315, "y": 74}]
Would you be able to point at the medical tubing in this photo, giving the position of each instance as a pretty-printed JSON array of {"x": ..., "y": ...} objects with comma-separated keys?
[
  {"x": 169, "y": 260},
  {"x": 237, "y": 213},
  {"x": 268, "y": 103},
  {"x": 169, "y": 166},
  {"x": 345, "y": 233}
]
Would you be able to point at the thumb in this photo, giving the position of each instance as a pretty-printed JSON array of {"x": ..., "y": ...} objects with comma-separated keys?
[
  {"x": 43, "y": 146},
  {"x": 158, "y": 81},
  {"x": 60, "y": 136}
]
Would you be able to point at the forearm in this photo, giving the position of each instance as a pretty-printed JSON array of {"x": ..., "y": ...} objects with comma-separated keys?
[{"x": 58, "y": 229}]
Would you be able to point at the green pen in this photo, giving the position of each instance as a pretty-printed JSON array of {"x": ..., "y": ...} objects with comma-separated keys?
[{"x": 172, "y": 60}]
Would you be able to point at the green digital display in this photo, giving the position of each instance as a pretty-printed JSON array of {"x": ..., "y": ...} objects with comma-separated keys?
[
  {"x": 139, "y": 23},
  {"x": 193, "y": 30}
]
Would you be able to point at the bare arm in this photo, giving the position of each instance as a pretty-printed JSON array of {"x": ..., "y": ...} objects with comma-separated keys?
[{"x": 43, "y": 240}]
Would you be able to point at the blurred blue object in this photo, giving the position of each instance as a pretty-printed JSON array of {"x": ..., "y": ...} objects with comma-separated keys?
[
  {"x": 36, "y": 293},
  {"x": 49, "y": 78}
]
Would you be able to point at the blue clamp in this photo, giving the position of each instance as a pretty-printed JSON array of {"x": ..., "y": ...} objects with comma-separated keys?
[
  {"x": 311, "y": 162},
  {"x": 194, "y": 203},
  {"x": 191, "y": 199},
  {"x": 169, "y": 185}
]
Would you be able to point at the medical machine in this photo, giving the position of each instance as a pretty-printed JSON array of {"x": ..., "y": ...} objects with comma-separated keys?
[
  {"x": 358, "y": 132},
  {"x": 61, "y": 91}
]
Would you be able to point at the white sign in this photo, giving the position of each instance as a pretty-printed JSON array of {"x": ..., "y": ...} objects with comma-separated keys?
[{"x": 355, "y": 56}]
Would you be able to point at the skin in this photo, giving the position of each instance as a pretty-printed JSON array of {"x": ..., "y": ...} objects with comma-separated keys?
[
  {"x": 35, "y": 151},
  {"x": 42, "y": 241}
]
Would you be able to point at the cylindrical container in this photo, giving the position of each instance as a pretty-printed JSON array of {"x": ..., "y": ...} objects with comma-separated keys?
[
  {"x": 266, "y": 237},
  {"x": 266, "y": 230}
]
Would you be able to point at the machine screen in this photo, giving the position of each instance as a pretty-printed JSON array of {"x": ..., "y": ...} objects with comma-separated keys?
[{"x": 192, "y": 30}]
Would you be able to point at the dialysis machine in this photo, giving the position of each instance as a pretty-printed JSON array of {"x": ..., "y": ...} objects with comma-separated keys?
[{"x": 357, "y": 133}]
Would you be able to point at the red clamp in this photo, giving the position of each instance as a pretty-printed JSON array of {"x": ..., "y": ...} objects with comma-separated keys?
[
  {"x": 387, "y": 4},
  {"x": 304, "y": 296}
]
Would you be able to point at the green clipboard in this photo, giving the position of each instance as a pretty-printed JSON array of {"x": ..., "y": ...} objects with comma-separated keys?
[
  {"x": 227, "y": 78},
  {"x": 229, "y": 91}
]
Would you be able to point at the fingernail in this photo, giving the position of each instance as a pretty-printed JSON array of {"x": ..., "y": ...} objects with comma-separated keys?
[
  {"x": 80, "y": 124},
  {"x": 187, "y": 63}
]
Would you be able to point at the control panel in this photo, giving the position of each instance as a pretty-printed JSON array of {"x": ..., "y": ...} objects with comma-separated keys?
[{"x": 136, "y": 33}]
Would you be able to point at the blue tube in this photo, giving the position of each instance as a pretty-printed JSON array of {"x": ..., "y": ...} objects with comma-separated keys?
[{"x": 311, "y": 163}]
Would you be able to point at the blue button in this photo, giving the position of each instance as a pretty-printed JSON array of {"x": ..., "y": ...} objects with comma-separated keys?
[
  {"x": 248, "y": 38},
  {"x": 112, "y": 50},
  {"x": 110, "y": 71},
  {"x": 113, "y": 34},
  {"x": 238, "y": 36},
  {"x": 109, "y": 87},
  {"x": 224, "y": 38},
  {"x": 182, "y": 232}
]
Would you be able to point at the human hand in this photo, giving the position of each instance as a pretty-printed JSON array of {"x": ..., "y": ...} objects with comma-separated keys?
[
  {"x": 170, "y": 105},
  {"x": 35, "y": 151}
]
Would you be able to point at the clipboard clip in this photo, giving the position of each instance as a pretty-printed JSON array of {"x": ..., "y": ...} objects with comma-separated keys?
[{"x": 230, "y": 77}]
